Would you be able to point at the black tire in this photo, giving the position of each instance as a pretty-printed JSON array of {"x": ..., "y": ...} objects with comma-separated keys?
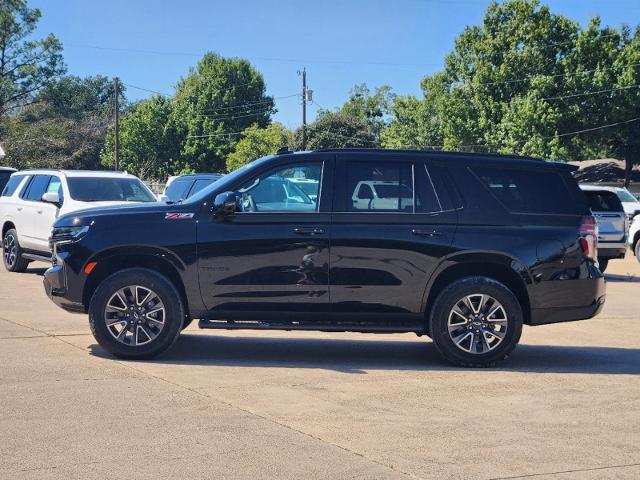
[
  {"x": 603, "y": 263},
  {"x": 148, "y": 279},
  {"x": 458, "y": 291},
  {"x": 12, "y": 258},
  {"x": 637, "y": 250}
]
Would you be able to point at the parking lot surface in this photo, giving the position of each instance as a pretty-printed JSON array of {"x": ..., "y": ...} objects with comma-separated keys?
[{"x": 253, "y": 405}]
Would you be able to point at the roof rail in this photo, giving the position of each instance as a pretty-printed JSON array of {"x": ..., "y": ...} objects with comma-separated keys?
[{"x": 443, "y": 153}]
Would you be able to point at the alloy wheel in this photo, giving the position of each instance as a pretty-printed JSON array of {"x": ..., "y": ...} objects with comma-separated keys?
[
  {"x": 135, "y": 315},
  {"x": 10, "y": 250},
  {"x": 477, "y": 323}
]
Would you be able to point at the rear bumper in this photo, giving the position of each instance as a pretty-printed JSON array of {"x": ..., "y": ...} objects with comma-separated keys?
[
  {"x": 612, "y": 250},
  {"x": 588, "y": 294}
]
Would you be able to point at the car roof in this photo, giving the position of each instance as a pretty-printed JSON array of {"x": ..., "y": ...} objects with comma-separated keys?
[
  {"x": 598, "y": 188},
  {"x": 447, "y": 155},
  {"x": 200, "y": 175},
  {"x": 78, "y": 173},
  {"x": 7, "y": 169}
]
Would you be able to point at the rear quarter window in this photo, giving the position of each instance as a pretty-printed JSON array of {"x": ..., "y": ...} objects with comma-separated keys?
[
  {"x": 603, "y": 201},
  {"x": 11, "y": 185},
  {"x": 542, "y": 191}
]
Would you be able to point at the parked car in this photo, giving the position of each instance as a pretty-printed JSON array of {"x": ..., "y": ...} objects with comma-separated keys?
[
  {"x": 33, "y": 199},
  {"x": 308, "y": 185},
  {"x": 490, "y": 243},
  {"x": 634, "y": 237},
  {"x": 383, "y": 194},
  {"x": 5, "y": 173},
  {"x": 630, "y": 203},
  {"x": 613, "y": 223},
  {"x": 181, "y": 188}
]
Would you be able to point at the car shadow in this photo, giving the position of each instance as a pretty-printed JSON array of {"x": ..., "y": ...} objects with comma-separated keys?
[
  {"x": 36, "y": 270},
  {"x": 610, "y": 277},
  {"x": 356, "y": 357}
]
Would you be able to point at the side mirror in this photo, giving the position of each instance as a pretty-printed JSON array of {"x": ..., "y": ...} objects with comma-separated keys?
[
  {"x": 225, "y": 204},
  {"x": 52, "y": 197}
]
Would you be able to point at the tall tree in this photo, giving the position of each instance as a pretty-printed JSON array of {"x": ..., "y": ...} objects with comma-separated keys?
[
  {"x": 217, "y": 101},
  {"x": 373, "y": 108},
  {"x": 26, "y": 65},
  {"x": 257, "y": 142},
  {"x": 337, "y": 130},
  {"x": 148, "y": 144}
]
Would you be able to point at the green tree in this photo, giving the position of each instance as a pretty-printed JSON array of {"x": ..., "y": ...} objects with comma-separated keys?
[
  {"x": 257, "y": 142},
  {"x": 64, "y": 127},
  {"x": 218, "y": 99},
  {"x": 337, "y": 130},
  {"x": 148, "y": 146},
  {"x": 26, "y": 65},
  {"x": 374, "y": 108}
]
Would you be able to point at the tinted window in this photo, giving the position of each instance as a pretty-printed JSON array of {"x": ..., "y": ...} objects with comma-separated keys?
[
  {"x": 178, "y": 189},
  {"x": 37, "y": 187},
  {"x": 528, "y": 191},
  {"x": 625, "y": 196},
  {"x": 4, "y": 178},
  {"x": 385, "y": 187},
  {"x": 96, "y": 189},
  {"x": 426, "y": 199},
  {"x": 55, "y": 186},
  {"x": 276, "y": 191},
  {"x": 12, "y": 185},
  {"x": 200, "y": 184},
  {"x": 603, "y": 201}
]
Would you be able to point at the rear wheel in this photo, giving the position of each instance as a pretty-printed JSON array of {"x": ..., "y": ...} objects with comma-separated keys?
[
  {"x": 136, "y": 314},
  {"x": 476, "y": 322},
  {"x": 12, "y": 253},
  {"x": 603, "y": 263},
  {"x": 637, "y": 250}
]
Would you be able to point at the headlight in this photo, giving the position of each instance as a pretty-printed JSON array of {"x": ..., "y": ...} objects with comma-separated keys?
[{"x": 63, "y": 235}]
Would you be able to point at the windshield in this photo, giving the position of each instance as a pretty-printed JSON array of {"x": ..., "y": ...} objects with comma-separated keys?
[
  {"x": 222, "y": 184},
  {"x": 625, "y": 196},
  {"x": 108, "y": 189}
]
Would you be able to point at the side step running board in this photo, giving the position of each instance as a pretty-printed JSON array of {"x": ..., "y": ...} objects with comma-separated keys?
[
  {"x": 315, "y": 326},
  {"x": 39, "y": 258}
]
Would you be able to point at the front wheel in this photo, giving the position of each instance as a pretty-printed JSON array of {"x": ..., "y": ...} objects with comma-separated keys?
[
  {"x": 12, "y": 253},
  {"x": 136, "y": 314},
  {"x": 476, "y": 322},
  {"x": 637, "y": 250}
]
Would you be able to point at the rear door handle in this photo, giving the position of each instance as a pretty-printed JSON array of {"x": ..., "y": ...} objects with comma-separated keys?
[
  {"x": 426, "y": 233},
  {"x": 308, "y": 230}
]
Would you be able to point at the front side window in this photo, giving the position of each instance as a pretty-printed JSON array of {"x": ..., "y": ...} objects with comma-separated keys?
[
  {"x": 37, "y": 187},
  {"x": 107, "y": 189},
  {"x": 380, "y": 187},
  {"x": 12, "y": 185},
  {"x": 278, "y": 190}
]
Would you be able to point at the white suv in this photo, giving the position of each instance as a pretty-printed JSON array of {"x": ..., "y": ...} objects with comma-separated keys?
[
  {"x": 33, "y": 199},
  {"x": 634, "y": 237}
]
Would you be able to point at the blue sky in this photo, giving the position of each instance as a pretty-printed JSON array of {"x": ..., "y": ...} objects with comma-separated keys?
[{"x": 152, "y": 43}]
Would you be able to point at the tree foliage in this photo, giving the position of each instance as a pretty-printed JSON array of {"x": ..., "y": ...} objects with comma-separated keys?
[
  {"x": 26, "y": 65},
  {"x": 337, "y": 130},
  {"x": 257, "y": 142}
]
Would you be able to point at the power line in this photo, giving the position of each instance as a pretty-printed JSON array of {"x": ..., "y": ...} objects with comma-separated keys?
[
  {"x": 578, "y": 132},
  {"x": 146, "y": 90},
  {"x": 591, "y": 93}
]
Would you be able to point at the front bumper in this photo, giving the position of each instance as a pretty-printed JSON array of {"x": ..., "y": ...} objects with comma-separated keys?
[{"x": 55, "y": 286}]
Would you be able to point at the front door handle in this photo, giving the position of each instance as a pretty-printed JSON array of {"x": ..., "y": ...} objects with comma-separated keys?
[
  {"x": 426, "y": 233},
  {"x": 308, "y": 230},
  {"x": 19, "y": 209}
]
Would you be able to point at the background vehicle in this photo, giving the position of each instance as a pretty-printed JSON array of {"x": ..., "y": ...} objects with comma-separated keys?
[
  {"x": 634, "y": 237},
  {"x": 308, "y": 185},
  {"x": 5, "y": 173},
  {"x": 488, "y": 243},
  {"x": 182, "y": 187},
  {"x": 33, "y": 199},
  {"x": 382, "y": 194},
  {"x": 630, "y": 203},
  {"x": 613, "y": 223}
]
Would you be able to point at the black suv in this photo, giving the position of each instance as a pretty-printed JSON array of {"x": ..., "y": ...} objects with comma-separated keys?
[{"x": 463, "y": 248}]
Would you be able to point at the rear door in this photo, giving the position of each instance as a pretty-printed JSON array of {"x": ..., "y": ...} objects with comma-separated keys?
[
  {"x": 30, "y": 219},
  {"x": 383, "y": 252},
  {"x": 609, "y": 213}
]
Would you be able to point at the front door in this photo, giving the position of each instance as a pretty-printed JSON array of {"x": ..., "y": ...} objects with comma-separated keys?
[
  {"x": 389, "y": 232},
  {"x": 271, "y": 258}
]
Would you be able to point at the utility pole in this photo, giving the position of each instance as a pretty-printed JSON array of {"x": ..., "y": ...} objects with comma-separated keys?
[
  {"x": 116, "y": 114},
  {"x": 304, "y": 108}
]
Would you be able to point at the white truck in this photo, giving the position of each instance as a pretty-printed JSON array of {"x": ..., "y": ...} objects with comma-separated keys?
[{"x": 33, "y": 199}]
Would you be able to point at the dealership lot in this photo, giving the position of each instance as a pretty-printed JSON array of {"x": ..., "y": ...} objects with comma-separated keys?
[{"x": 317, "y": 405}]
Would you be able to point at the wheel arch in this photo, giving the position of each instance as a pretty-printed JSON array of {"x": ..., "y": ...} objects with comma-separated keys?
[
  {"x": 506, "y": 270},
  {"x": 111, "y": 261},
  {"x": 6, "y": 226}
]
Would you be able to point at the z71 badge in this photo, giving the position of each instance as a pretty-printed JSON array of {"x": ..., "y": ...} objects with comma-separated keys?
[{"x": 178, "y": 216}]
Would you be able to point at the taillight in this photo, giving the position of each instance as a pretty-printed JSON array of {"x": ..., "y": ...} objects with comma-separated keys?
[{"x": 589, "y": 237}]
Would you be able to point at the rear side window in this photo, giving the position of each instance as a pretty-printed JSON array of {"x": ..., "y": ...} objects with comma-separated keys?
[
  {"x": 36, "y": 188},
  {"x": 200, "y": 184},
  {"x": 528, "y": 191},
  {"x": 603, "y": 201},
  {"x": 12, "y": 185},
  {"x": 380, "y": 187}
]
